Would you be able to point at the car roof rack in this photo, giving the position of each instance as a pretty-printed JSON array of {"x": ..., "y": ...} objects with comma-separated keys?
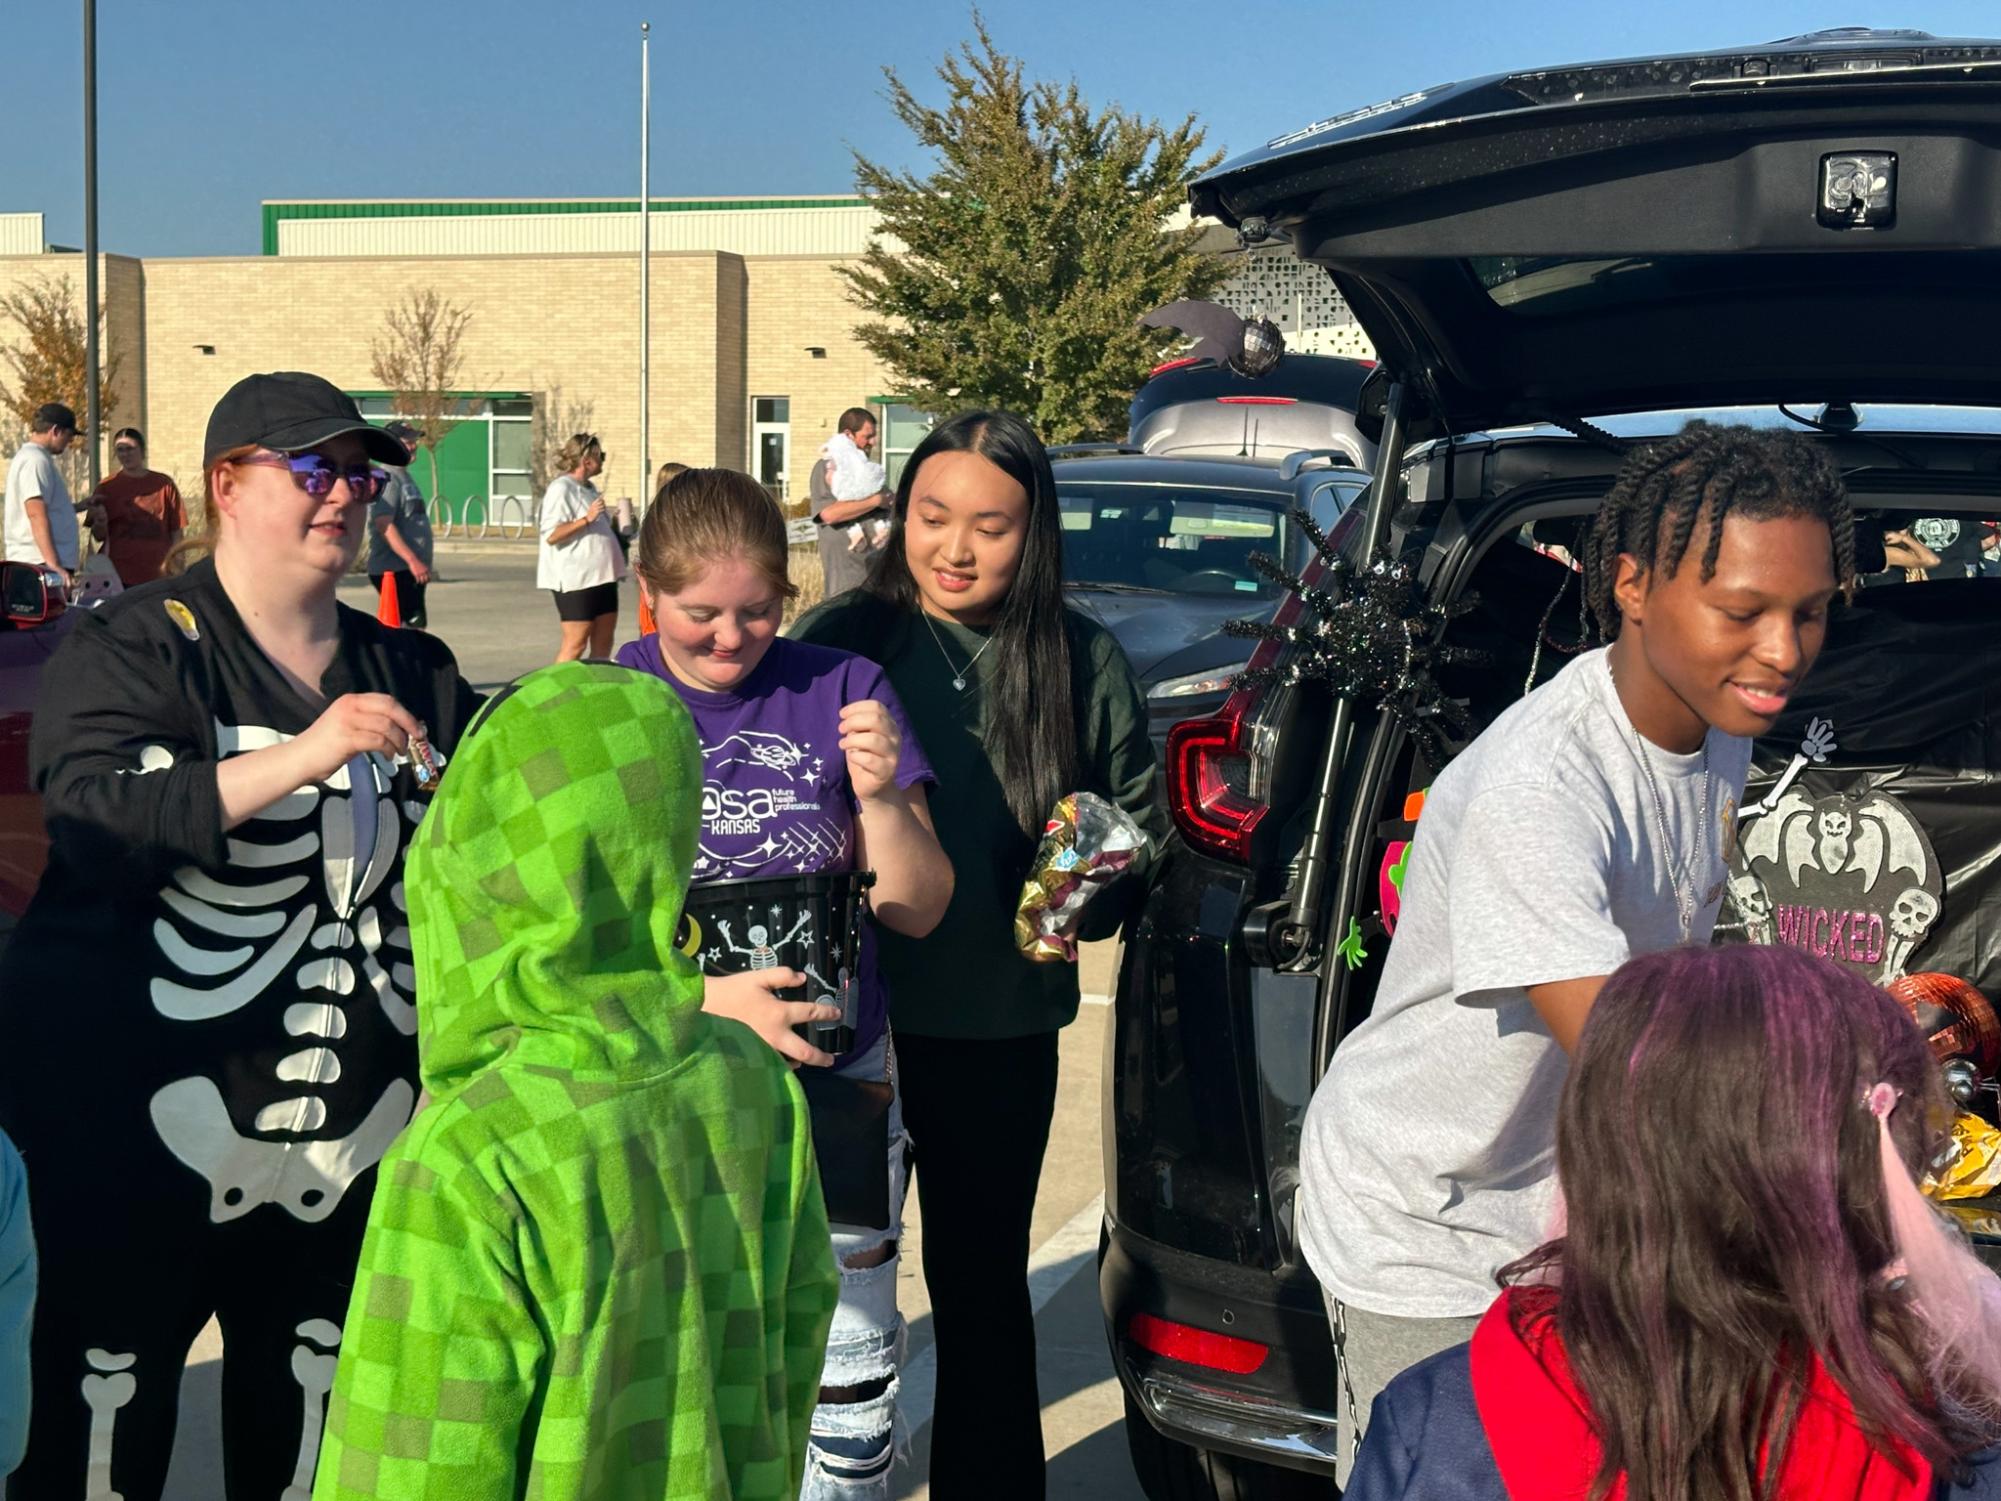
[{"x": 1337, "y": 458}]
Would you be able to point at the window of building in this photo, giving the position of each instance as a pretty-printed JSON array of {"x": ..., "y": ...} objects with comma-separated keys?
[
  {"x": 771, "y": 444},
  {"x": 903, "y": 428}
]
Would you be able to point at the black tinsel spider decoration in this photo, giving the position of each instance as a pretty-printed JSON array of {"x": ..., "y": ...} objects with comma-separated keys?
[{"x": 1373, "y": 640}]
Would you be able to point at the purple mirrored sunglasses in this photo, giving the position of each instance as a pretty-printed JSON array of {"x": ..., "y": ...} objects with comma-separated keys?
[{"x": 313, "y": 474}]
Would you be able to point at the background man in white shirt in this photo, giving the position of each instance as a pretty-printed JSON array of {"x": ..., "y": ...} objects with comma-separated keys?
[{"x": 40, "y": 525}]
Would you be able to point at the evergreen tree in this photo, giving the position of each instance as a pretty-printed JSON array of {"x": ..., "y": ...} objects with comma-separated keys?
[{"x": 1015, "y": 274}]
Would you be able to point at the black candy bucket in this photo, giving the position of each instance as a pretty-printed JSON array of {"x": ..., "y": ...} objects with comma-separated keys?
[{"x": 811, "y": 923}]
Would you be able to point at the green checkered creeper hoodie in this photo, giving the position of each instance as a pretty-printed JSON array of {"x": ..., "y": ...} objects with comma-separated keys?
[{"x": 597, "y": 1265}]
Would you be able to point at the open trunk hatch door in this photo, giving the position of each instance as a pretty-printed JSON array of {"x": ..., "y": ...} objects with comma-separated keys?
[{"x": 1816, "y": 221}]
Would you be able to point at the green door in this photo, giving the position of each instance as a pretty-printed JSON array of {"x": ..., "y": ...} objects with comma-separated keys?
[{"x": 462, "y": 471}]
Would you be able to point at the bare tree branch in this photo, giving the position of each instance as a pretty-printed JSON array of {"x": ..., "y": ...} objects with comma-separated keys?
[
  {"x": 419, "y": 361},
  {"x": 556, "y": 418},
  {"x": 46, "y": 362}
]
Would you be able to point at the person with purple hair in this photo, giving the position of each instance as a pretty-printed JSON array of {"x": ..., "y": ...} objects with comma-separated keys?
[
  {"x": 1748, "y": 1297},
  {"x": 1590, "y": 822}
]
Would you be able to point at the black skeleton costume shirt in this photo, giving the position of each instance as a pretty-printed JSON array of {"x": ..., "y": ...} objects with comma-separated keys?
[{"x": 207, "y": 1038}]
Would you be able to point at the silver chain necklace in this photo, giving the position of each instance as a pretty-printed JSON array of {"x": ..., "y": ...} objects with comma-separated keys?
[
  {"x": 1681, "y": 877},
  {"x": 958, "y": 677}
]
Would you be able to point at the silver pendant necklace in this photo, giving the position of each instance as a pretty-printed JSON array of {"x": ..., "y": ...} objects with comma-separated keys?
[
  {"x": 1681, "y": 877},
  {"x": 958, "y": 677}
]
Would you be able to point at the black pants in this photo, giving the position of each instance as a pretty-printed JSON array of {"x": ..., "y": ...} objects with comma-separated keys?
[
  {"x": 409, "y": 595},
  {"x": 978, "y": 1115},
  {"x": 131, "y": 1269}
]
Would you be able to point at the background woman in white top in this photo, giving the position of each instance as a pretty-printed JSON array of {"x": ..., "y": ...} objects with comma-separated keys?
[{"x": 580, "y": 561}]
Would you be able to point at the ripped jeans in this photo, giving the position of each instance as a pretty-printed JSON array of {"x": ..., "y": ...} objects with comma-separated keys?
[{"x": 854, "y": 1442}]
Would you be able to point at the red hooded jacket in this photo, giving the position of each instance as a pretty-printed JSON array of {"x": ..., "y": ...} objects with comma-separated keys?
[{"x": 1501, "y": 1419}]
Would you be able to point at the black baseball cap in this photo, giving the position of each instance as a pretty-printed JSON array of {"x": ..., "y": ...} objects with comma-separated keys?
[
  {"x": 290, "y": 411},
  {"x": 403, "y": 433},
  {"x": 53, "y": 414}
]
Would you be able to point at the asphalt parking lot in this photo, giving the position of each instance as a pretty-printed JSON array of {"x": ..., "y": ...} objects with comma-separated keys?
[{"x": 485, "y": 605}]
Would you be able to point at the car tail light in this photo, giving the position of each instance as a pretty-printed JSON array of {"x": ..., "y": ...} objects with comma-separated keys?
[
  {"x": 1257, "y": 401},
  {"x": 1181, "y": 364},
  {"x": 1211, "y": 782},
  {"x": 1214, "y": 791},
  {"x": 1215, "y": 1352},
  {"x": 1213, "y": 809}
]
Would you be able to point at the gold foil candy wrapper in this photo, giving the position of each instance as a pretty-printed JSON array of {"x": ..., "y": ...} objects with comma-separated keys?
[
  {"x": 1087, "y": 843},
  {"x": 1973, "y": 1166}
]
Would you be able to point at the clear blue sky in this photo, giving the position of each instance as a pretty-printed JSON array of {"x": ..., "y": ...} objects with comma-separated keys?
[{"x": 209, "y": 106}]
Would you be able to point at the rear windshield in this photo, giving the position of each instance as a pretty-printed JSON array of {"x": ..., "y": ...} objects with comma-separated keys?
[
  {"x": 1945, "y": 545},
  {"x": 1891, "y": 548},
  {"x": 1161, "y": 537}
]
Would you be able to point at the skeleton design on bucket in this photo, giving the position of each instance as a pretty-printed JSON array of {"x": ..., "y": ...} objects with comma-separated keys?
[
  {"x": 230, "y": 937},
  {"x": 763, "y": 953}
]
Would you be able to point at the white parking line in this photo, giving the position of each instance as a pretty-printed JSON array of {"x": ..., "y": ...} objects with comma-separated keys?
[{"x": 1069, "y": 1251}]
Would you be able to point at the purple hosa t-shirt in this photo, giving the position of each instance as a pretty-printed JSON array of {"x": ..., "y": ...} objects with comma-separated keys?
[{"x": 775, "y": 793}]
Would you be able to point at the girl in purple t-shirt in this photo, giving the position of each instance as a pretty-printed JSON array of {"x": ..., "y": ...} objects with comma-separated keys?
[{"x": 808, "y": 765}]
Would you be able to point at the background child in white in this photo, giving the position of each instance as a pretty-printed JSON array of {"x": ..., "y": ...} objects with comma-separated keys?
[{"x": 853, "y": 475}]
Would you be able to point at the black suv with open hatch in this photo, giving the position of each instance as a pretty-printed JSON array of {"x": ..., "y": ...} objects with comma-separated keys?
[{"x": 1552, "y": 265}]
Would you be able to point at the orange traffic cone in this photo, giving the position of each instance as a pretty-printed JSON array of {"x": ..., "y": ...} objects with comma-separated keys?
[
  {"x": 646, "y": 623},
  {"x": 390, "y": 609}
]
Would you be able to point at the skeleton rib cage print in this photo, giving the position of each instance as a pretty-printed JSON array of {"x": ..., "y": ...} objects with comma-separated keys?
[
  {"x": 301, "y": 937},
  {"x": 207, "y": 1032}
]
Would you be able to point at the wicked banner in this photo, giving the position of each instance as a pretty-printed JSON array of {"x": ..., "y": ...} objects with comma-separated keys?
[
  {"x": 1848, "y": 875},
  {"x": 1883, "y": 852}
]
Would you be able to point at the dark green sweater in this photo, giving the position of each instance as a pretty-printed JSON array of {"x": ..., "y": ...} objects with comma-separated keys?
[{"x": 967, "y": 979}]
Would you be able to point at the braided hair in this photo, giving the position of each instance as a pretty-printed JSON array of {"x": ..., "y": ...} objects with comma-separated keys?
[{"x": 1665, "y": 489}]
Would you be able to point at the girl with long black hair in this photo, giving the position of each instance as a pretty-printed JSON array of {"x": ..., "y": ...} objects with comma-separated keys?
[{"x": 1018, "y": 700}]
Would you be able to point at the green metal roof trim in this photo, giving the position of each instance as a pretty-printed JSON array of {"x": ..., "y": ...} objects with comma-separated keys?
[{"x": 458, "y": 209}]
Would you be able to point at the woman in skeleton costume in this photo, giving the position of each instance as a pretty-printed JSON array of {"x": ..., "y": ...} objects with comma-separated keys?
[{"x": 206, "y": 1023}]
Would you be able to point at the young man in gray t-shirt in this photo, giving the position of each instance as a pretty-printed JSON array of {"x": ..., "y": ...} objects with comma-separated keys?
[
  {"x": 40, "y": 523},
  {"x": 1590, "y": 822}
]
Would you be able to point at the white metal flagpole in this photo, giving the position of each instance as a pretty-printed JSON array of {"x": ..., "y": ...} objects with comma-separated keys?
[{"x": 645, "y": 486}]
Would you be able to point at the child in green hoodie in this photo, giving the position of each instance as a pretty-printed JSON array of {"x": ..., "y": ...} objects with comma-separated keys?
[{"x": 597, "y": 1263}]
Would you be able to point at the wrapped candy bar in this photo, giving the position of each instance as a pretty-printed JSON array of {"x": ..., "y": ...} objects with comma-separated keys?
[
  {"x": 1088, "y": 842},
  {"x": 1972, "y": 1165}
]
